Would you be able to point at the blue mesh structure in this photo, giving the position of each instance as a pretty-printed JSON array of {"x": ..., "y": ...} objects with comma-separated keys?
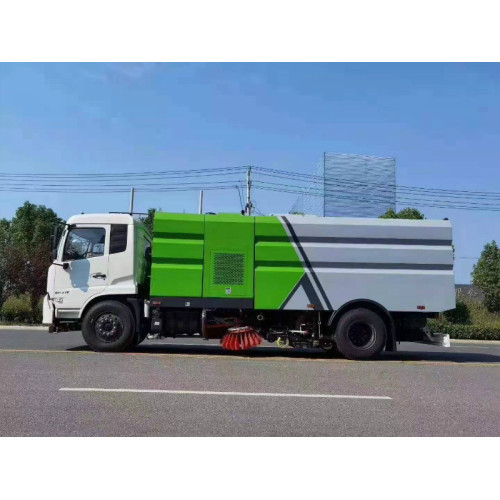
[
  {"x": 350, "y": 186},
  {"x": 312, "y": 202}
]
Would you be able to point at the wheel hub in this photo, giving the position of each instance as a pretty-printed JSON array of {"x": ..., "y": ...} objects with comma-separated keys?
[
  {"x": 108, "y": 327},
  {"x": 361, "y": 335}
]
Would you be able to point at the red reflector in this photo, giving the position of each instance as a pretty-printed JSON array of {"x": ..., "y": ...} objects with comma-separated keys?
[
  {"x": 156, "y": 303},
  {"x": 421, "y": 307}
]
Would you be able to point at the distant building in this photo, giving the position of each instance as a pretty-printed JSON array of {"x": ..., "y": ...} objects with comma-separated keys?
[
  {"x": 469, "y": 292},
  {"x": 345, "y": 185}
]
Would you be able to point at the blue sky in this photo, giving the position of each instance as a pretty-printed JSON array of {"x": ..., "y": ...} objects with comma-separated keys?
[{"x": 440, "y": 121}]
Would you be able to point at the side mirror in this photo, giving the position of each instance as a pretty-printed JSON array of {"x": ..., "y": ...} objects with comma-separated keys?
[{"x": 64, "y": 265}]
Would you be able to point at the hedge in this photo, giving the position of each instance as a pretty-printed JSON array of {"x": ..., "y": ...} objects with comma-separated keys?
[
  {"x": 473, "y": 332},
  {"x": 461, "y": 315},
  {"x": 18, "y": 310}
]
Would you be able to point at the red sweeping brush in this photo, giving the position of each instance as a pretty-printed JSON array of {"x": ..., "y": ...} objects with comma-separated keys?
[{"x": 240, "y": 339}]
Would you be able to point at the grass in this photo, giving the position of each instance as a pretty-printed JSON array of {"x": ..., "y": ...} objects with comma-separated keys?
[
  {"x": 481, "y": 316},
  {"x": 483, "y": 324}
]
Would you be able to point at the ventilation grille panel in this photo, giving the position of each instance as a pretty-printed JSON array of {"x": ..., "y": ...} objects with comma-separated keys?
[{"x": 229, "y": 268}]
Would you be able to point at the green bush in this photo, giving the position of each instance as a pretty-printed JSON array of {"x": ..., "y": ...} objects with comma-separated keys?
[
  {"x": 486, "y": 276},
  {"x": 456, "y": 331},
  {"x": 460, "y": 315},
  {"x": 17, "y": 309},
  {"x": 481, "y": 316},
  {"x": 39, "y": 311}
]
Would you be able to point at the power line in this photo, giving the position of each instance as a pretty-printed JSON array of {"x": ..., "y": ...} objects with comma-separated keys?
[
  {"x": 113, "y": 185},
  {"x": 377, "y": 186},
  {"x": 320, "y": 177},
  {"x": 56, "y": 180},
  {"x": 241, "y": 199},
  {"x": 351, "y": 198},
  {"x": 163, "y": 173},
  {"x": 118, "y": 190},
  {"x": 166, "y": 181},
  {"x": 337, "y": 194}
]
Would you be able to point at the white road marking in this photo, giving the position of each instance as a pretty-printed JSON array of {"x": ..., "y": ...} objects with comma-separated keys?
[{"x": 219, "y": 393}]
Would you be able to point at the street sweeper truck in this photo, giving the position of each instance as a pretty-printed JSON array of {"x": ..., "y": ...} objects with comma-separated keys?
[{"x": 352, "y": 286}]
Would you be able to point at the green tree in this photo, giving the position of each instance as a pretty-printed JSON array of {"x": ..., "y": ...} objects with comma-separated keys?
[
  {"x": 4, "y": 245},
  {"x": 486, "y": 276},
  {"x": 149, "y": 219},
  {"x": 28, "y": 252},
  {"x": 407, "y": 213}
]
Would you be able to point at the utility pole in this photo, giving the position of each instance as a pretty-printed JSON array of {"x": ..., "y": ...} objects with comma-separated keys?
[
  {"x": 132, "y": 201},
  {"x": 248, "y": 207},
  {"x": 200, "y": 210}
]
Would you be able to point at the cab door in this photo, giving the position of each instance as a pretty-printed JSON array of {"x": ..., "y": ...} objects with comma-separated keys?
[{"x": 82, "y": 272}]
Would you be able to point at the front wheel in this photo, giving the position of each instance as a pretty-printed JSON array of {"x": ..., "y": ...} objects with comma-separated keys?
[
  {"x": 139, "y": 339},
  {"x": 108, "y": 326},
  {"x": 360, "y": 334}
]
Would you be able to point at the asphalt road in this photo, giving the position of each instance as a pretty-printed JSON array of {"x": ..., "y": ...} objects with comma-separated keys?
[{"x": 191, "y": 387}]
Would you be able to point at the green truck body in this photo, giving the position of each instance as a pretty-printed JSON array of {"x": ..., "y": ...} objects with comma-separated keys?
[
  {"x": 301, "y": 263},
  {"x": 224, "y": 256}
]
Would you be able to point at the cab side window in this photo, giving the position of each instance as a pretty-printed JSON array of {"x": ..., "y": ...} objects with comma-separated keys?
[
  {"x": 84, "y": 243},
  {"x": 118, "y": 238}
]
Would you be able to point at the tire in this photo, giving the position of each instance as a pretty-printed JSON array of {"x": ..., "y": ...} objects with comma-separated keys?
[
  {"x": 360, "y": 334},
  {"x": 332, "y": 350},
  {"x": 138, "y": 339},
  {"x": 108, "y": 326}
]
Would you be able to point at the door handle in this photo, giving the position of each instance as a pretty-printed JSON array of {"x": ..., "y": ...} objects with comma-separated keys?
[{"x": 99, "y": 276}]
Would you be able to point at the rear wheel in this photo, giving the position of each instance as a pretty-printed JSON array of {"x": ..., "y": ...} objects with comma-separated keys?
[
  {"x": 330, "y": 347},
  {"x": 360, "y": 334},
  {"x": 108, "y": 326}
]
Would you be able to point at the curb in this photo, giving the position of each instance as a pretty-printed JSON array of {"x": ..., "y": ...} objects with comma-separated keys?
[
  {"x": 473, "y": 341},
  {"x": 21, "y": 327}
]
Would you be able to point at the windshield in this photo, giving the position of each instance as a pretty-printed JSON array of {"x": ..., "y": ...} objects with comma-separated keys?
[{"x": 84, "y": 243}]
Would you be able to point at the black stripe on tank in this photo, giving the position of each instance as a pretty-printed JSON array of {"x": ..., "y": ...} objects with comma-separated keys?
[
  {"x": 383, "y": 265},
  {"x": 361, "y": 265},
  {"x": 307, "y": 263},
  {"x": 311, "y": 293},
  {"x": 309, "y": 290},
  {"x": 360, "y": 241},
  {"x": 375, "y": 241}
]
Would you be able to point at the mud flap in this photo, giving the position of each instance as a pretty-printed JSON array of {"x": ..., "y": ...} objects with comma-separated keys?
[{"x": 48, "y": 311}]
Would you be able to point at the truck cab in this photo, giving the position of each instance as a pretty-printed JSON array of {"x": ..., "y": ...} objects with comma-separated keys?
[{"x": 98, "y": 256}]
